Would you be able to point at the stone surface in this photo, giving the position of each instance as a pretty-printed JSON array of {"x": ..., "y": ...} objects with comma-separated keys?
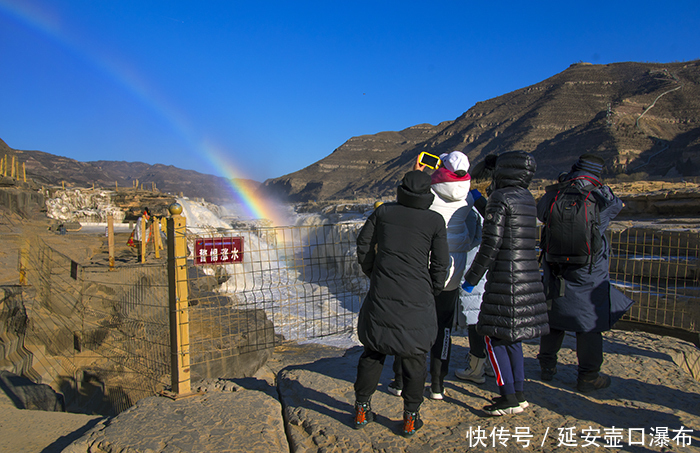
[
  {"x": 25, "y": 394},
  {"x": 649, "y": 391},
  {"x": 30, "y": 431},
  {"x": 241, "y": 417},
  {"x": 314, "y": 409}
]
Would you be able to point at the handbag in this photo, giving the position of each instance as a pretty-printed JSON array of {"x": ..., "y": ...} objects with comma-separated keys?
[{"x": 131, "y": 242}]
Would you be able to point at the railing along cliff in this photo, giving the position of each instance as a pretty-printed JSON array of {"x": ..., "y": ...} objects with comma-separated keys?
[{"x": 133, "y": 327}]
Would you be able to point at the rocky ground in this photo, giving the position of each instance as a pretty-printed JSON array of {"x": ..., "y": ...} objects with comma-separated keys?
[{"x": 302, "y": 401}]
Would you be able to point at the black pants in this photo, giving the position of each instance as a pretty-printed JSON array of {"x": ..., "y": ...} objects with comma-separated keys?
[
  {"x": 369, "y": 370},
  {"x": 477, "y": 344},
  {"x": 440, "y": 352},
  {"x": 589, "y": 350},
  {"x": 138, "y": 250},
  {"x": 445, "y": 304}
]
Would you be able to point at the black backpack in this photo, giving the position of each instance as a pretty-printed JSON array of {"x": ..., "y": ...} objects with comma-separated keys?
[{"x": 571, "y": 236}]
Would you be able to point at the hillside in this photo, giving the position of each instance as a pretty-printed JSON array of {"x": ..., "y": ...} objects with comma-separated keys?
[
  {"x": 49, "y": 170},
  {"x": 350, "y": 163},
  {"x": 643, "y": 118}
]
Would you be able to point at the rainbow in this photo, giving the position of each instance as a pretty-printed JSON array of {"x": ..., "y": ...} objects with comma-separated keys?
[{"x": 255, "y": 205}]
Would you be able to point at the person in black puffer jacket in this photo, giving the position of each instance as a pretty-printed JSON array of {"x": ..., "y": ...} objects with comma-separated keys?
[
  {"x": 402, "y": 248},
  {"x": 513, "y": 307}
]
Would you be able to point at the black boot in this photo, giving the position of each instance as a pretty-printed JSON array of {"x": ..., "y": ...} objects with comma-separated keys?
[
  {"x": 588, "y": 385},
  {"x": 411, "y": 423},
  {"x": 363, "y": 414}
]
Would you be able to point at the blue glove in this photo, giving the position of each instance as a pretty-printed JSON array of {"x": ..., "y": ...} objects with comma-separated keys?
[
  {"x": 475, "y": 194},
  {"x": 467, "y": 287}
]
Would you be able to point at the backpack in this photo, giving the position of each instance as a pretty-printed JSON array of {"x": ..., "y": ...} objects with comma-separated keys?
[{"x": 571, "y": 235}]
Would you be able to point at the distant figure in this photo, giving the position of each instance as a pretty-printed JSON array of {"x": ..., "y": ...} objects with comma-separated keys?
[
  {"x": 581, "y": 298},
  {"x": 513, "y": 308},
  {"x": 145, "y": 214},
  {"x": 402, "y": 248}
]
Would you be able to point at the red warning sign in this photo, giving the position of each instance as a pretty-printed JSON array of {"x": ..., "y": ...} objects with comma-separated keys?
[{"x": 225, "y": 250}]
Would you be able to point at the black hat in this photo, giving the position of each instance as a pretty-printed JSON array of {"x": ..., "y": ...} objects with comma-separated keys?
[
  {"x": 416, "y": 181},
  {"x": 591, "y": 163},
  {"x": 483, "y": 171}
]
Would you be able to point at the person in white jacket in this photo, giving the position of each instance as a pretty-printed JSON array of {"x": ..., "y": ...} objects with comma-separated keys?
[
  {"x": 450, "y": 184},
  {"x": 139, "y": 235},
  {"x": 470, "y": 304}
]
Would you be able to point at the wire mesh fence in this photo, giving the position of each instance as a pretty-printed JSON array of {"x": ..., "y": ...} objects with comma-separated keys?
[
  {"x": 660, "y": 271},
  {"x": 292, "y": 283},
  {"x": 285, "y": 283},
  {"x": 89, "y": 324}
]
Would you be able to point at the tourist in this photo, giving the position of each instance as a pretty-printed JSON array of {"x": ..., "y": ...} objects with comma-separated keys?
[
  {"x": 450, "y": 183},
  {"x": 513, "y": 307},
  {"x": 470, "y": 305},
  {"x": 581, "y": 298},
  {"x": 478, "y": 367},
  {"x": 407, "y": 269},
  {"x": 139, "y": 235}
]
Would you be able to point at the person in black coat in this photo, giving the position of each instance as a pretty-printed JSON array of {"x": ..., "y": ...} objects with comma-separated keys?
[
  {"x": 513, "y": 307},
  {"x": 402, "y": 248},
  {"x": 587, "y": 304}
]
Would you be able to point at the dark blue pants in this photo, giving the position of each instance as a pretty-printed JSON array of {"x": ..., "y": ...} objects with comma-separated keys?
[{"x": 508, "y": 364}]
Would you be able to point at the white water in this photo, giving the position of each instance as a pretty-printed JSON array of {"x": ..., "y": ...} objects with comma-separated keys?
[{"x": 270, "y": 277}]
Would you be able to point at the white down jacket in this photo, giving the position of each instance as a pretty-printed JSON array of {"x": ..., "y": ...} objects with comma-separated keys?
[{"x": 451, "y": 202}]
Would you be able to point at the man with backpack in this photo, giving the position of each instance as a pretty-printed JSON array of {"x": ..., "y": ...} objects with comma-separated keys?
[{"x": 575, "y": 214}]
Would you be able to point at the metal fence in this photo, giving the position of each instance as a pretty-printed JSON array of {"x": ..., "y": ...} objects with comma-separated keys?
[
  {"x": 292, "y": 283},
  {"x": 304, "y": 282},
  {"x": 660, "y": 271},
  {"x": 89, "y": 324}
]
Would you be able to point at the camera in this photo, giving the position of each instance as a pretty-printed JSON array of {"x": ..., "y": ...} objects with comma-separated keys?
[{"x": 429, "y": 160}]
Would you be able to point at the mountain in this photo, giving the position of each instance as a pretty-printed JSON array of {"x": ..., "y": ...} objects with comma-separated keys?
[
  {"x": 350, "y": 163},
  {"x": 643, "y": 118},
  {"x": 51, "y": 170}
]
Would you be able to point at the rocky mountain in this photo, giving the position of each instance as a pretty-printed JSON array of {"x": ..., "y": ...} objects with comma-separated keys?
[
  {"x": 49, "y": 170},
  {"x": 643, "y": 118}
]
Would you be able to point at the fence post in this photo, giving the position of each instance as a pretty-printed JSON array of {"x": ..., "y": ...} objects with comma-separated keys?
[
  {"x": 179, "y": 315},
  {"x": 155, "y": 234},
  {"x": 144, "y": 239},
  {"x": 23, "y": 260},
  {"x": 110, "y": 241}
]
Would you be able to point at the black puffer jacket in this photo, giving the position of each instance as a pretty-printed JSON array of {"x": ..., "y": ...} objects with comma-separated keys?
[
  {"x": 513, "y": 307},
  {"x": 407, "y": 269}
]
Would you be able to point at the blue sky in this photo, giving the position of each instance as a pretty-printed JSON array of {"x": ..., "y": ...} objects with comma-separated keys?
[{"x": 260, "y": 89}]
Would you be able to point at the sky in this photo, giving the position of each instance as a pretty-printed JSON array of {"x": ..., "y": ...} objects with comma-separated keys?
[{"x": 261, "y": 89}]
